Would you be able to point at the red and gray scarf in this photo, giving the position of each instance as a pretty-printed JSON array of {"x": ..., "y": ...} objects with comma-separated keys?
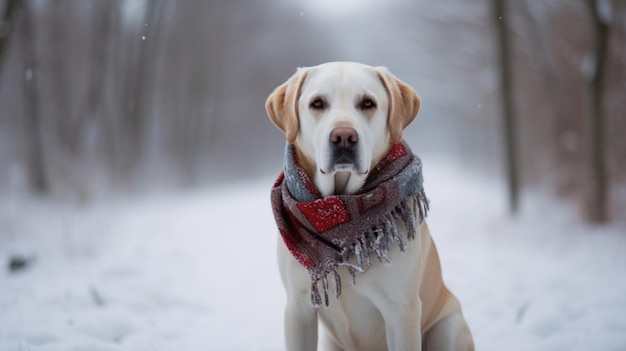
[{"x": 325, "y": 233}]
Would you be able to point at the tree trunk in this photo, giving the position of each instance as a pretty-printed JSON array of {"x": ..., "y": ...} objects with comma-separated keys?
[
  {"x": 596, "y": 194},
  {"x": 508, "y": 117},
  {"x": 32, "y": 129},
  {"x": 140, "y": 66},
  {"x": 6, "y": 27}
]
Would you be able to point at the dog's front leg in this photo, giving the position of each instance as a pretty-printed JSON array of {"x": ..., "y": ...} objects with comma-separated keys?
[
  {"x": 403, "y": 328},
  {"x": 300, "y": 325}
]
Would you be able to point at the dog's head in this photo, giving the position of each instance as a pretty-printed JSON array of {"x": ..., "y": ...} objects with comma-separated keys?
[{"x": 342, "y": 118}]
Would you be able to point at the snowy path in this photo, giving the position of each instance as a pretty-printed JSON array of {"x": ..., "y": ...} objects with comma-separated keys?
[{"x": 197, "y": 271}]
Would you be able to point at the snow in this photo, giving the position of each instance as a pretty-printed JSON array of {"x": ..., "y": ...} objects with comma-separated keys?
[{"x": 197, "y": 270}]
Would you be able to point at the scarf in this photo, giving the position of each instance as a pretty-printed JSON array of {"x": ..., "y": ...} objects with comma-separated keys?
[{"x": 325, "y": 233}]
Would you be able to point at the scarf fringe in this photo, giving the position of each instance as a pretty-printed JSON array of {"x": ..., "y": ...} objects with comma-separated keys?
[{"x": 377, "y": 240}]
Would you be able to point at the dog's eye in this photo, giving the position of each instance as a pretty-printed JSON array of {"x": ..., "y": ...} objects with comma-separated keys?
[
  {"x": 367, "y": 104},
  {"x": 317, "y": 104}
]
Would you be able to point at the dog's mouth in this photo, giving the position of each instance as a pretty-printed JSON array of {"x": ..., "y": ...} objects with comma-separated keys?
[{"x": 344, "y": 160}]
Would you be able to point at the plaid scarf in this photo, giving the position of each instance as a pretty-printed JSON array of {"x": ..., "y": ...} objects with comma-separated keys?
[{"x": 325, "y": 233}]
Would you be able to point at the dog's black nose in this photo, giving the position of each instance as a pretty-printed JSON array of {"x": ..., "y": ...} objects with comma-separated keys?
[{"x": 344, "y": 137}]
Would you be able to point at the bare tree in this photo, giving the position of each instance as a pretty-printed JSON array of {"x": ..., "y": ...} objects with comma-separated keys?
[
  {"x": 508, "y": 116},
  {"x": 31, "y": 122},
  {"x": 92, "y": 104},
  {"x": 6, "y": 26},
  {"x": 596, "y": 189},
  {"x": 140, "y": 70}
]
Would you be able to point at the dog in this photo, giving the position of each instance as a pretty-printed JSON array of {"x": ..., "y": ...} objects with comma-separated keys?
[{"x": 399, "y": 306}]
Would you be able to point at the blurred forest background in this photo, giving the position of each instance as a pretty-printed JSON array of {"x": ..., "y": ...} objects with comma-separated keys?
[{"x": 106, "y": 96}]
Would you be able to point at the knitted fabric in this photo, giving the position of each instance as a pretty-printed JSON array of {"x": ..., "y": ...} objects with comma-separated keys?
[{"x": 325, "y": 233}]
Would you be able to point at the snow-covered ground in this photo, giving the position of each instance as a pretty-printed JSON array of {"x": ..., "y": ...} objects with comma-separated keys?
[{"x": 197, "y": 271}]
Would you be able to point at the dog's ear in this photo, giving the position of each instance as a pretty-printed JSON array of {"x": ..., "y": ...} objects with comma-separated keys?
[
  {"x": 282, "y": 105},
  {"x": 404, "y": 103}
]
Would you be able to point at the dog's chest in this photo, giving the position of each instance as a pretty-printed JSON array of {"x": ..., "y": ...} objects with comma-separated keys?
[
  {"x": 354, "y": 321},
  {"x": 357, "y": 320}
]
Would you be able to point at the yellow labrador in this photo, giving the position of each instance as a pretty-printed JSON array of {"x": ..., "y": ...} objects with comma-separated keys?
[{"x": 399, "y": 306}]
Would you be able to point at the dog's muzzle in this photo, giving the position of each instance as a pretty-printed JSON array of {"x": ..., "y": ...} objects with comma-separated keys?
[{"x": 344, "y": 149}]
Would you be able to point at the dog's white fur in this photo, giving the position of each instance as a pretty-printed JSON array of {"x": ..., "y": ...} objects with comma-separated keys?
[{"x": 402, "y": 306}]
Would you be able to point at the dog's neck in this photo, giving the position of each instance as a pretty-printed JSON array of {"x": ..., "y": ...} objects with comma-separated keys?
[{"x": 341, "y": 182}]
